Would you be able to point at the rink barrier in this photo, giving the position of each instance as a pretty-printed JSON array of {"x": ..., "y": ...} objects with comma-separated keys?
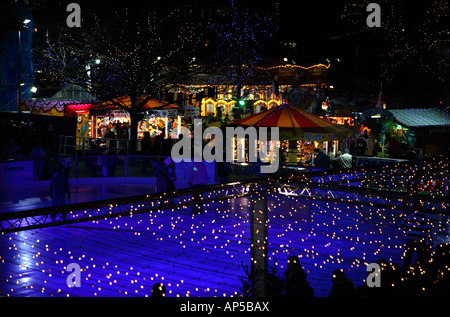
[{"x": 329, "y": 185}]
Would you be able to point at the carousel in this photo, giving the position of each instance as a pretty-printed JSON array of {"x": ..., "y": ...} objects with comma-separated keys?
[{"x": 301, "y": 133}]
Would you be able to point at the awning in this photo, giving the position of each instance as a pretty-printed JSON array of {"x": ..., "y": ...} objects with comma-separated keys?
[{"x": 126, "y": 102}]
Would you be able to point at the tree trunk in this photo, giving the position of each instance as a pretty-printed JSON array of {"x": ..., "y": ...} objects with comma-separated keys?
[{"x": 134, "y": 123}]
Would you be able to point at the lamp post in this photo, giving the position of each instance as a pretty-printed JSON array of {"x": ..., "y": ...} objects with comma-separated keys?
[
  {"x": 22, "y": 25},
  {"x": 89, "y": 66}
]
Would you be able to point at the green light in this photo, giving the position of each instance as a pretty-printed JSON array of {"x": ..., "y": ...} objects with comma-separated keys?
[{"x": 242, "y": 102}]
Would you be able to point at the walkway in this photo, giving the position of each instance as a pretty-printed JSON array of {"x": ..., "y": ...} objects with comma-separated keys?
[{"x": 83, "y": 190}]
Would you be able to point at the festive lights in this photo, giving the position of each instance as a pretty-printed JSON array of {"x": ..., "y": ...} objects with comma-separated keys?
[
  {"x": 239, "y": 43},
  {"x": 200, "y": 255},
  {"x": 119, "y": 53},
  {"x": 410, "y": 35}
]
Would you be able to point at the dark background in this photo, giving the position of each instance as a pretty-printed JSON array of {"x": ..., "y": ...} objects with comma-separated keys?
[{"x": 320, "y": 34}]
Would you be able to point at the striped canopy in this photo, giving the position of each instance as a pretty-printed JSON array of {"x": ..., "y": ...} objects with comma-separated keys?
[{"x": 295, "y": 123}]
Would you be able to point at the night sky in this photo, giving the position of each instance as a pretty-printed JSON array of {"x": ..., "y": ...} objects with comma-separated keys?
[{"x": 320, "y": 34}]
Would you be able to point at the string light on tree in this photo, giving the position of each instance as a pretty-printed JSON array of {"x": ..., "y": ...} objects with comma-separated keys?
[{"x": 410, "y": 35}]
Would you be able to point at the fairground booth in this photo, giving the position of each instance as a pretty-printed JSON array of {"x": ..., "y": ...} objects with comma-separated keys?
[
  {"x": 301, "y": 133},
  {"x": 104, "y": 120},
  {"x": 264, "y": 87}
]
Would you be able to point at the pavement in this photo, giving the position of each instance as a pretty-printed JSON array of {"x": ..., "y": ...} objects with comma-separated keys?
[{"x": 82, "y": 190}]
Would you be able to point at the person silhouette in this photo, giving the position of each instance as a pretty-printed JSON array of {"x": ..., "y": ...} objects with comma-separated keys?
[
  {"x": 342, "y": 285},
  {"x": 295, "y": 277},
  {"x": 158, "y": 290},
  {"x": 59, "y": 187}
]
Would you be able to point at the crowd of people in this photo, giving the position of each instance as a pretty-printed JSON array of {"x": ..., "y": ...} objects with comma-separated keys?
[
  {"x": 338, "y": 161},
  {"x": 365, "y": 146},
  {"x": 21, "y": 140},
  {"x": 428, "y": 275},
  {"x": 156, "y": 144}
]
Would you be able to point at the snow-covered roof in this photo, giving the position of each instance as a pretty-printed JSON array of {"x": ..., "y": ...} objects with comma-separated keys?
[{"x": 422, "y": 117}]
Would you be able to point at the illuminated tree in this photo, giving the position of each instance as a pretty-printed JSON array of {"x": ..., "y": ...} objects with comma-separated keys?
[
  {"x": 411, "y": 34},
  {"x": 131, "y": 52},
  {"x": 239, "y": 42}
]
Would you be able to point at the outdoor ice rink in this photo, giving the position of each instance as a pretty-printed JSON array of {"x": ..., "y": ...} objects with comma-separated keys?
[{"x": 202, "y": 255}]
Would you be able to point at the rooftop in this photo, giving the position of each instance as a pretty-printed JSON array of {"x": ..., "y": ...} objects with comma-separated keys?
[{"x": 422, "y": 117}]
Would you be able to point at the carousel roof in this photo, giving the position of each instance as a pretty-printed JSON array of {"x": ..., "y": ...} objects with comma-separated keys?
[{"x": 299, "y": 122}]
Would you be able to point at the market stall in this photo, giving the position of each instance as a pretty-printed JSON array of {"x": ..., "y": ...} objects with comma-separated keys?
[
  {"x": 159, "y": 117},
  {"x": 426, "y": 130}
]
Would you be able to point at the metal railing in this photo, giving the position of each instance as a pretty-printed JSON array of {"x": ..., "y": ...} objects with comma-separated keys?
[
  {"x": 73, "y": 145},
  {"x": 304, "y": 185}
]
